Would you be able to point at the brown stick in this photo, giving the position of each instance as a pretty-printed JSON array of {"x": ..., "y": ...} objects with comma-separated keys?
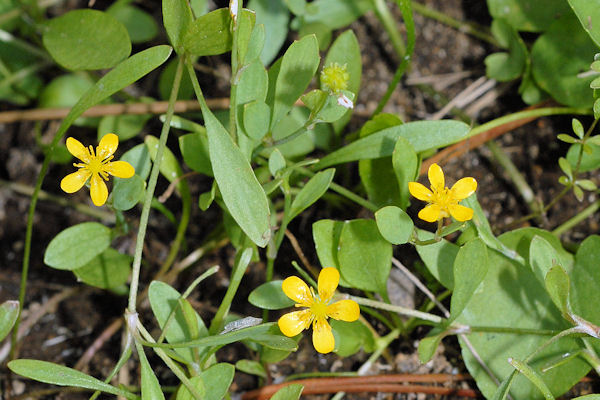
[{"x": 378, "y": 383}]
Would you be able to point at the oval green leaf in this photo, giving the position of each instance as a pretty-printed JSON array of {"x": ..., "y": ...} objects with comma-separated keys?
[
  {"x": 270, "y": 296},
  {"x": 394, "y": 224},
  {"x": 76, "y": 246},
  {"x": 107, "y": 270},
  {"x": 9, "y": 310},
  {"x": 87, "y": 40}
]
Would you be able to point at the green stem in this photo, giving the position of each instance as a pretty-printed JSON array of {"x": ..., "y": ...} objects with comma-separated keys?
[
  {"x": 406, "y": 9},
  {"x": 579, "y": 217},
  {"x": 235, "y": 70},
  {"x": 471, "y": 28},
  {"x": 23, "y": 73},
  {"x": 343, "y": 191},
  {"x": 389, "y": 24},
  {"x": 186, "y": 200},
  {"x": 398, "y": 309},
  {"x": 139, "y": 246}
]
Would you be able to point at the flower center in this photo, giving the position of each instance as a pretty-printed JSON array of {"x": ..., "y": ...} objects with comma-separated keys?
[
  {"x": 442, "y": 197},
  {"x": 319, "y": 309},
  {"x": 97, "y": 163}
]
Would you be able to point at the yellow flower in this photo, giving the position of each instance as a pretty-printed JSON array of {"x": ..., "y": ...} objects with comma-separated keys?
[
  {"x": 317, "y": 309},
  {"x": 334, "y": 77},
  {"x": 95, "y": 167},
  {"x": 443, "y": 202}
]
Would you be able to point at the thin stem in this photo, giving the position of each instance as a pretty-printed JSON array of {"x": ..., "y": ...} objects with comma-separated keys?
[
  {"x": 398, "y": 309},
  {"x": 579, "y": 217},
  {"x": 406, "y": 9},
  {"x": 235, "y": 69},
  {"x": 389, "y": 24},
  {"x": 343, "y": 191},
  {"x": 471, "y": 28},
  {"x": 139, "y": 246}
]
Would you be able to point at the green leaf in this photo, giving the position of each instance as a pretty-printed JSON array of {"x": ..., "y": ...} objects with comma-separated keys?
[
  {"x": 274, "y": 15},
  {"x": 139, "y": 24},
  {"x": 528, "y": 15},
  {"x": 511, "y": 296},
  {"x": 558, "y": 287},
  {"x": 542, "y": 256},
  {"x": 127, "y": 192},
  {"x": 326, "y": 235},
  {"x": 255, "y": 44},
  {"x": 270, "y": 296},
  {"x": 394, "y": 224},
  {"x": 588, "y": 12},
  {"x": 210, "y": 34},
  {"x": 177, "y": 18},
  {"x": 65, "y": 91},
  {"x": 289, "y": 392},
  {"x": 242, "y": 193},
  {"x": 566, "y": 138},
  {"x": 406, "y": 167},
  {"x": 589, "y": 162},
  {"x": 150, "y": 386},
  {"x": 336, "y": 13},
  {"x": 163, "y": 300},
  {"x": 298, "y": 66},
  {"x": 428, "y": 345},
  {"x": 470, "y": 269},
  {"x": 165, "y": 84},
  {"x": 311, "y": 192},
  {"x": 350, "y": 337},
  {"x": 438, "y": 258},
  {"x": 139, "y": 158},
  {"x": 124, "y": 126},
  {"x": 169, "y": 166},
  {"x": 422, "y": 135},
  {"x": 43, "y": 371},
  {"x": 379, "y": 180},
  {"x": 557, "y": 63},
  {"x": 365, "y": 258},
  {"x": 586, "y": 184},
  {"x": 194, "y": 148},
  {"x": 218, "y": 376},
  {"x": 577, "y": 128},
  {"x": 276, "y": 162},
  {"x": 77, "y": 245},
  {"x": 585, "y": 277},
  {"x": 107, "y": 270},
  {"x": 251, "y": 367},
  {"x": 506, "y": 66},
  {"x": 257, "y": 115},
  {"x": 86, "y": 40},
  {"x": 565, "y": 166},
  {"x": 9, "y": 311}
]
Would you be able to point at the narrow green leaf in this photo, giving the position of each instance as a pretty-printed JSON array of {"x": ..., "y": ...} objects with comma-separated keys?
[
  {"x": 218, "y": 378},
  {"x": 243, "y": 195},
  {"x": 150, "y": 386},
  {"x": 177, "y": 18},
  {"x": 365, "y": 258},
  {"x": 533, "y": 377},
  {"x": 87, "y": 40},
  {"x": 43, "y": 371},
  {"x": 289, "y": 392},
  {"x": 270, "y": 296},
  {"x": 502, "y": 391},
  {"x": 311, "y": 192},
  {"x": 394, "y": 224},
  {"x": 470, "y": 268},
  {"x": 9, "y": 310},
  {"x": 577, "y": 128},
  {"x": 298, "y": 66},
  {"x": 276, "y": 162},
  {"x": 422, "y": 135},
  {"x": 76, "y": 246},
  {"x": 566, "y": 138},
  {"x": 428, "y": 345}
]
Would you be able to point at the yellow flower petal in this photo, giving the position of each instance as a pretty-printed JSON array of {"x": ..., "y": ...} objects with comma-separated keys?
[
  {"x": 107, "y": 146},
  {"x": 297, "y": 290},
  {"x": 436, "y": 177},
  {"x": 73, "y": 182},
  {"x": 463, "y": 188},
  {"x": 120, "y": 169},
  {"x": 328, "y": 282},
  {"x": 98, "y": 190},
  {"x": 295, "y": 322},
  {"x": 322, "y": 336},
  {"x": 419, "y": 191},
  {"x": 460, "y": 213},
  {"x": 77, "y": 149},
  {"x": 431, "y": 213},
  {"x": 345, "y": 310}
]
